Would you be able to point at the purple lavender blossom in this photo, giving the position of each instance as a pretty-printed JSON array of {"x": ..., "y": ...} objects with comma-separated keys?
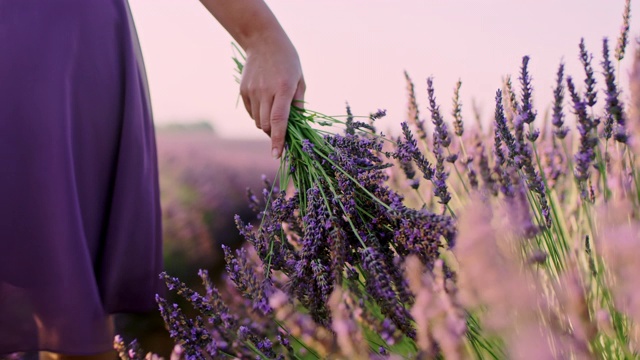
[
  {"x": 338, "y": 249},
  {"x": 485, "y": 170},
  {"x": 227, "y": 320},
  {"x": 268, "y": 240},
  {"x": 525, "y": 157},
  {"x": 472, "y": 176},
  {"x": 312, "y": 284},
  {"x": 439, "y": 180},
  {"x": 533, "y": 135},
  {"x": 243, "y": 333},
  {"x": 380, "y": 285},
  {"x": 614, "y": 107},
  {"x": 590, "y": 81},
  {"x": 284, "y": 341},
  {"x": 441, "y": 139},
  {"x": 504, "y": 134},
  {"x": 553, "y": 164},
  {"x": 378, "y": 114},
  {"x": 254, "y": 204},
  {"x": 441, "y": 132},
  {"x": 266, "y": 347},
  {"x": 241, "y": 272},
  {"x": 408, "y": 168},
  {"x": 322, "y": 276},
  {"x": 349, "y": 123},
  {"x": 511, "y": 97},
  {"x": 504, "y": 163},
  {"x": 536, "y": 184},
  {"x": 586, "y": 153},
  {"x": 418, "y": 232},
  {"x": 557, "y": 119},
  {"x": 191, "y": 334},
  {"x": 526, "y": 110},
  {"x": 307, "y": 147},
  {"x": 623, "y": 40},
  {"x": 408, "y": 151},
  {"x": 458, "y": 124},
  {"x": 212, "y": 306},
  {"x": 133, "y": 351},
  {"x": 520, "y": 214},
  {"x": 413, "y": 109}
]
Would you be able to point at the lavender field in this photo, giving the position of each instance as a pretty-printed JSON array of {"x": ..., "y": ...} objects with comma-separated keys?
[
  {"x": 514, "y": 237},
  {"x": 204, "y": 181}
]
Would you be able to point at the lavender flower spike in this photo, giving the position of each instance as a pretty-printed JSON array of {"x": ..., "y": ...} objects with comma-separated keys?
[
  {"x": 408, "y": 150},
  {"x": 623, "y": 40},
  {"x": 526, "y": 109},
  {"x": 614, "y": 107},
  {"x": 585, "y": 58},
  {"x": 441, "y": 131},
  {"x": 441, "y": 139},
  {"x": 503, "y": 130},
  {"x": 634, "y": 108},
  {"x": 557, "y": 119},
  {"x": 380, "y": 285},
  {"x": 458, "y": 125},
  {"x": 586, "y": 153},
  {"x": 413, "y": 111},
  {"x": 511, "y": 98}
]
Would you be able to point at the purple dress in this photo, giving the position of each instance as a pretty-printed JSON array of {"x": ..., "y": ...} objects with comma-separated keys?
[{"x": 80, "y": 225}]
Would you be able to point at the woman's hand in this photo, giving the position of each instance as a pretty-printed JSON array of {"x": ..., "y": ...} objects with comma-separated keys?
[
  {"x": 272, "y": 76},
  {"x": 271, "y": 81}
]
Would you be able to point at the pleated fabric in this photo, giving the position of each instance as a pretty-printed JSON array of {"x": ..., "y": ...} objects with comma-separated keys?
[{"x": 80, "y": 220}]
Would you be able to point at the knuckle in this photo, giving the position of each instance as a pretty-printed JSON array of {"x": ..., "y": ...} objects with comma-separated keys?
[
  {"x": 278, "y": 117},
  {"x": 253, "y": 89},
  {"x": 244, "y": 89},
  {"x": 284, "y": 85}
]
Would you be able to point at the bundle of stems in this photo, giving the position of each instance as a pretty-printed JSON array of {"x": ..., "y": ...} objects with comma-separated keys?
[{"x": 351, "y": 230}]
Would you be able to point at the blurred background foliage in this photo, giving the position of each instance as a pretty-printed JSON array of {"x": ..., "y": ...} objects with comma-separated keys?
[{"x": 203, "y": 183}]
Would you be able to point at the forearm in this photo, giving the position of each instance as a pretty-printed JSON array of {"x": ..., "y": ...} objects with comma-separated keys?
[{"x": 249, "y": 22}]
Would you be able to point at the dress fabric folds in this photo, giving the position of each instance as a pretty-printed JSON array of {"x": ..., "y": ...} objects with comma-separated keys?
[{"x": 80, "y": 220}]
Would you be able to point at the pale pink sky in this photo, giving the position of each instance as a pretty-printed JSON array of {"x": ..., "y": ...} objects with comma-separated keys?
[{"x": 356, "y": 51}]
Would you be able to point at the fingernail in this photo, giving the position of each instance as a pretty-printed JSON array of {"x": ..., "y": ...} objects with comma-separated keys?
[{"x": 275, "y": 153}]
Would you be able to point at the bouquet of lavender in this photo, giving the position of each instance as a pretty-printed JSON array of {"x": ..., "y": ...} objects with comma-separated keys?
[{"x": 340, "y": 229}]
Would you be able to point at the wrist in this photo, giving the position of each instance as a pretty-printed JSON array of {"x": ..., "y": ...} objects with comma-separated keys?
[{"x": 267, "y": 41}]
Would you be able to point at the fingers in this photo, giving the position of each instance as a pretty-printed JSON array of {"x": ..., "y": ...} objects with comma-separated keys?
[
  {"x": 265, "y": 115},
  {"x": 252, "y": 107},
  {"x": 244, "y": 93},
  {"x": 298, "y": 97},
  {"x": 279, "y": 119},
  {"x": 261, "y": 109},
  {"x": 255, "y": 112},
  {"x": 269, "y": 104},
  {"x": 247, "y": 103}
]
